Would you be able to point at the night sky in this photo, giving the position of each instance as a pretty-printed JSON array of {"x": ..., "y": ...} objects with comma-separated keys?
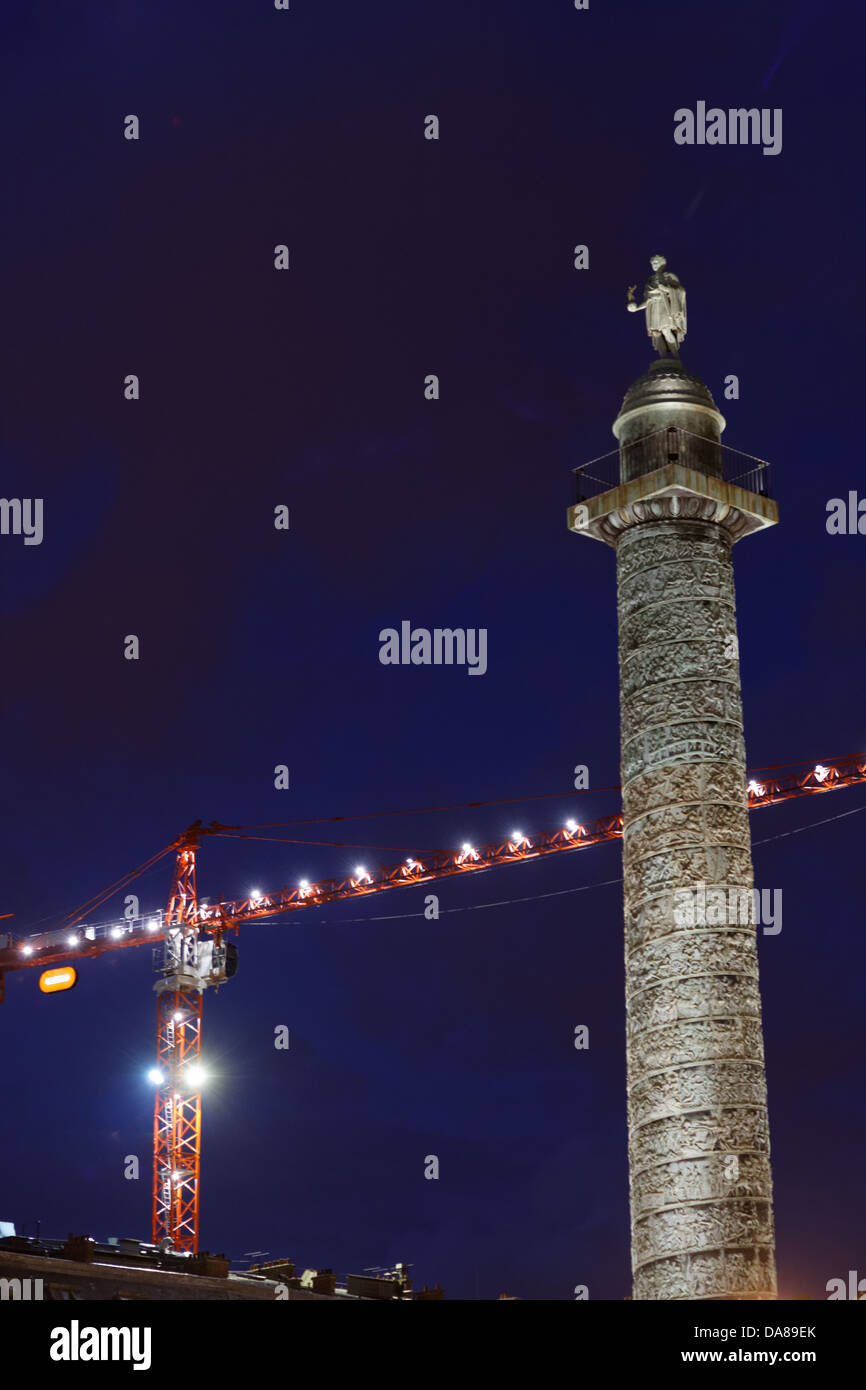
[{"x": 260, "y": 647}]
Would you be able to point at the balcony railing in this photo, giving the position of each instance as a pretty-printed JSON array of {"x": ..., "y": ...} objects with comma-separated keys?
[{"x": 672, "y": 445}]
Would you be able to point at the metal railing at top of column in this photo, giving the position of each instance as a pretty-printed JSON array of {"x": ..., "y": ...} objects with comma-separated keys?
[{"x": 670, "y": 445}]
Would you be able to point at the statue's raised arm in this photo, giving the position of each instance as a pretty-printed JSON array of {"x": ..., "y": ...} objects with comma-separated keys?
[{"x": 665, "y": 304}]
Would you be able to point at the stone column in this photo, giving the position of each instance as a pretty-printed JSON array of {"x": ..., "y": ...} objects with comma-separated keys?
[{"x": 699, "y": 1157}]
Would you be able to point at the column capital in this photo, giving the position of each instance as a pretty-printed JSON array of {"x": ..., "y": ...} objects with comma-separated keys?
[{"x": 669, "y": 493}]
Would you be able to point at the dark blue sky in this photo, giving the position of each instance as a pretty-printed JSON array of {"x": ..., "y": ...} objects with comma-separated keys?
[{"x": 258, "y": 647}]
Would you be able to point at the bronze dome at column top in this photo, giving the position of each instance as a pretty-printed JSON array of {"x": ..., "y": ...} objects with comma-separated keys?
[{"x": 667, "y": 380}]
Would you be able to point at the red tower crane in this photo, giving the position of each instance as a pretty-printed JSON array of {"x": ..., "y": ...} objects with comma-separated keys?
[{"x": 197, "y": 956}]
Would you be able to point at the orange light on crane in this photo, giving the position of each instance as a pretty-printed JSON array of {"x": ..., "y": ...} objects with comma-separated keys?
[{"x": 62, "y": 977}]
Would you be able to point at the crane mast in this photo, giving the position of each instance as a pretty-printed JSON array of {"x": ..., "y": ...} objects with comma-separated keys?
[{"x": 189, "y": 963}]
